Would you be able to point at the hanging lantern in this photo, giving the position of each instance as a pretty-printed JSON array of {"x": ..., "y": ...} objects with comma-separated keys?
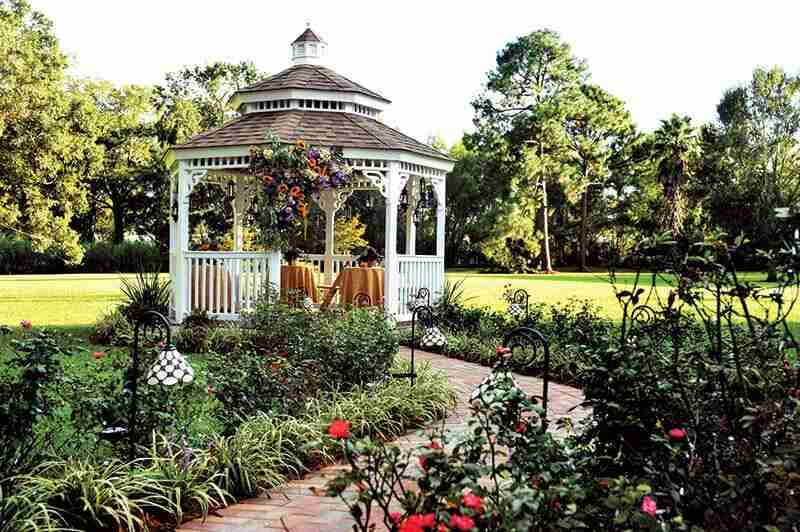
[
  {"x": 175, "y": 210},
  {"x": 170, "y": 368},
  {"x": 402, "y": 204},
  {"x": 433, "y": 338},
  {"x": 231, "y": 190}
]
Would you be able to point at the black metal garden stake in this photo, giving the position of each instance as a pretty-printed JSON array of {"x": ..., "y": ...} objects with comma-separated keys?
[
  {"x": 170, "y": 368},
  {"x": 529, "y": 338},
  {"x": 425, "y": 315},
  {"x": 519, "y": 304}
]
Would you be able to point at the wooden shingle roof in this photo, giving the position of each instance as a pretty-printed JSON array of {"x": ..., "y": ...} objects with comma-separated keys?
[
  {"x": 314, "y": 127},
  {"x": 308, "y": 76}
]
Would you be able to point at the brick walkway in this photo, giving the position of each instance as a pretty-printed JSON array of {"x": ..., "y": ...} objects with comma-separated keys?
[{"x": 295, "y": 508}]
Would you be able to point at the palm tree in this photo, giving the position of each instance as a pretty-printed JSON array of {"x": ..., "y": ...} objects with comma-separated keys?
[{"x": 676, "y": 149}]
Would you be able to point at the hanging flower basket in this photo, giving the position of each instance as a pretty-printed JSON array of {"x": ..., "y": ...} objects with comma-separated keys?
[{"x": 291, "y": 176}]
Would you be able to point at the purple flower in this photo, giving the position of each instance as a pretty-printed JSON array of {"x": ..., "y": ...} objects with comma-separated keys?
[{"x": 313, "y": 153}]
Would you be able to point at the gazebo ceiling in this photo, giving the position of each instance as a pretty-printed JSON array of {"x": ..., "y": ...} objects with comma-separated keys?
[{"x": 315, "y": 127}]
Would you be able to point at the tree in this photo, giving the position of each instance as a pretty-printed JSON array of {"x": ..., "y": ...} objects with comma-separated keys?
[
  {"x": 597, "y": 129},
  {"x": 752, "y": 156},
  {"x": 130, "y": 177},
  {"x": 44, "y": 145},
  {"x": 521, "y": 103},
  {"x": 676, "y": 151}
]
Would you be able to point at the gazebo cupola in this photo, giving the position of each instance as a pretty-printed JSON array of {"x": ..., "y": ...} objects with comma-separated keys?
[
  {"x": 311, "y": 102},
  {"x": 308, "y": 48}
]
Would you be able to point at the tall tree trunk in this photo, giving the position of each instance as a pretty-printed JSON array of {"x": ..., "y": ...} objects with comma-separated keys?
[
  {"x": 119, "y": 224},
  {"x": 548, "y": 265},
  {"x": 584, "y": 216}
]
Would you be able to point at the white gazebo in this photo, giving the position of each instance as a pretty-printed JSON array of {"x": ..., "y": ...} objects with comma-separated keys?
[{"x": 311, "y": 102}]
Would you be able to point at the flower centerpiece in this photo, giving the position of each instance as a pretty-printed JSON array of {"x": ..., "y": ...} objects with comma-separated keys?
[{"x": 291, "y": 176}]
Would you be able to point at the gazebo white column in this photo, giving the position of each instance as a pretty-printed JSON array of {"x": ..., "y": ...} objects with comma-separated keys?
[
  {"x": 411, "y": 227},
  {"x": 330, "y": 201},
  {"x": 395, "y": 181},
  {"x": 439, "y": 190},
  {"x": 181, "y": 286}
]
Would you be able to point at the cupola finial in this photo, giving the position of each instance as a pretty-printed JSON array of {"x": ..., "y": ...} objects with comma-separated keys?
[{"x": 308, "y": 48}]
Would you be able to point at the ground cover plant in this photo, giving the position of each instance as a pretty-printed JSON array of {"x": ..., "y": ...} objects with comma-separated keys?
[{"x": 694, "y": 422}]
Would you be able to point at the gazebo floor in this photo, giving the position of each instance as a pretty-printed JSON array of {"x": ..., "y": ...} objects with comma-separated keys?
[{"x": 295, "y": 507}]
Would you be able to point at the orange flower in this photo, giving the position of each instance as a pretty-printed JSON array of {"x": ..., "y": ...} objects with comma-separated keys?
[
  {"x": 312, "y": 163},
  {"x": 303, "y": 210},
  {"x": 268, "y": 179},
  {"x": 204, "y": 247},
  {"x": 300, "y": 144},
  {"x": 99, "y": 354},
  {"x": 301, "y": 196},
  {"x": 282, "y": 188},
  {"x": 295, "y": 191}
]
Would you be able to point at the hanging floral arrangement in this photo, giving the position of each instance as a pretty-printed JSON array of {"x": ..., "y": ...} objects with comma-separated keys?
[{"x": 291, "y": 177}]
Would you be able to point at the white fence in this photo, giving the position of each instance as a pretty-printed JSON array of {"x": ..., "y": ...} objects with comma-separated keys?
[{"x": 225, "y": 283}]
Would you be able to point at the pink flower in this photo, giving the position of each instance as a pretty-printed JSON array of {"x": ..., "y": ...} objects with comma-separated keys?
[
  {"x": 210, "y": 390},
  {"x": 418, "y": 523},
  {"x": 339, "y": 429},
  {"x": 461, "y": 522},
  {"x": 500, "y": 350},
  {"x": 677, "y": 434},
  {"x": 649, "y": 506},
  {"x": 394, "y": 517},
  {"x": 26, "y": 324},
  {"x": 99, "y": 354},
  {"x": 423, "y": 462},
  {"x": 470, "y": 500},
  {"x": 434, "y": 445}
]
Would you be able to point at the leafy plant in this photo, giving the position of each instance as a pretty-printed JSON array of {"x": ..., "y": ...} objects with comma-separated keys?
[
  {"x": 147, "y": 291},
  {"x": 112, "y": 328}
]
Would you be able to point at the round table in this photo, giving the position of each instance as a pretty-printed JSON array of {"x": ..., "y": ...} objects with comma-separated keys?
[
  {"x": 295, "y": 277},
  {"x": 354, "y": 281}
]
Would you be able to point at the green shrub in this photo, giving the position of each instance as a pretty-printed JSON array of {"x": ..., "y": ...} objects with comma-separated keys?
[
  {"x": 107, "y": 257},
  {"x": 192, "y": 337},
  {"x": 18, "y": 257},
  {"x": 112, "y": 328}
]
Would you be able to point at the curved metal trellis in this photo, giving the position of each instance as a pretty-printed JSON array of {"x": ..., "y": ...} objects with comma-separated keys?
[
  {"x": 519, "y": 304},
  {"x": 420, "y": 315},
  {"x": 644, "y": 316},
  {"x": 531, "y": 340}
]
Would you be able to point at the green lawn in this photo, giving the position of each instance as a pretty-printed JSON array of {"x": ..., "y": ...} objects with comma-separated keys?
[
  {"x": 487, "y": 289},
  {"x": 77, "y": 300},
  {"x": 57, "y": 300}
]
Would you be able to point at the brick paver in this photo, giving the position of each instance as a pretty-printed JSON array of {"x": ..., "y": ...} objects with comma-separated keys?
[{"x": 294, "y": 507}]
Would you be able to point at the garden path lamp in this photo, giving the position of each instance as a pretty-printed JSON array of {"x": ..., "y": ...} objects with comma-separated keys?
[{"x": 169, "y": 369}]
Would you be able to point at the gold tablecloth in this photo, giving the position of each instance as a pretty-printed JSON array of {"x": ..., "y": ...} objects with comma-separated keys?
[
  {"x": 354, "y": 281},
  {"x": 298, "y": 277}
]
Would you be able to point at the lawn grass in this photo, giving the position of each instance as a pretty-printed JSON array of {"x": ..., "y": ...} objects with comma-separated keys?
[
  {"x": 66, "y": 301},
  {"x": 485, "y": 289},
  {"x": 73, "y": 302}
]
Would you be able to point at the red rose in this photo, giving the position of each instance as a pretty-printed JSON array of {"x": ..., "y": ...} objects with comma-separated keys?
[
  {"x": 99, "y": 354},
  {"x": 461, "y": 522},
  {"x": 677, "y": 434},
  {"x": 434, "y": 445},
  {"x": 26, "y": 324},
  {"x": 472, "y": 501},
  {"x": 521, "y": 427},
  {"x": 649, "y": 506},
  {"x": 339, "y": 429},
  {"x": 394, "y": 517},
  {"x": 418, "y": 523},
  {"x": 603, "y": 483},
  {"x": 423, "y": 462}
]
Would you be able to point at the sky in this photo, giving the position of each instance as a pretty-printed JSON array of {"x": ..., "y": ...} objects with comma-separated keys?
[{"x": 431, "y": 57}]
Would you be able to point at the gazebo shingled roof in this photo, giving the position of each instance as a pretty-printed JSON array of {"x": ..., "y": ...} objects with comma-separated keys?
[
  {"x": 315, "y": 127},
  {"x": 309, "y": 76},
  {"x": 307, "y": 36}
]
